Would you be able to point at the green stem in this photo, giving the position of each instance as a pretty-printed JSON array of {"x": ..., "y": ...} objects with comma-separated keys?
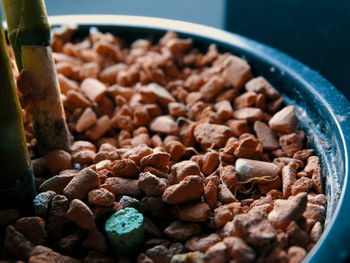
[
  {"x": 17, "y": 186},
  {"x": 27, "y": 25},
  {"x": 29, "y": 34}
]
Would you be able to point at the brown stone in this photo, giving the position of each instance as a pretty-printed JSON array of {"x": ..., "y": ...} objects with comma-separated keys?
[
  {"x": 284, "y": 121},
  {"x": 239, "y": 250},
  {"x": 253, "y": 227},
  {"x": 124, "y": 168},
  {"x": 225, "y": 196},
  {"x": 229, "y": 176},
  {"x": 137, "y": 153},
  {"x": 181, "y": 170},
  {"x": 261, "y": 85},
  {"x": 57, "y": 216},
  {"x": 247, "y": 99},
  {"x": 288, "y": 178},
  {"x": 237, "y": 71},
  {"x": 96, "y": 241},
  {"x": 82, "y": 145},
  {"x": 93, "y": 89},
  {"x": 56, "y": 183},
  {"x": 158, "y": 160},
  {"x": 249, "y": 114},
  {"x": 296, "y": 254},
  {"x": 182, "y": 231},
  {"x": 58, "y": 160},
  {"x": 101, "y": 197},
  {"x": 121, "y": 186},
  {"x": 301, "y": 185},
  {"x": 151, "y": 184},
  {"x": 200, "y": 243},
  {"x": 266, "y": 136},
  {"x": 210, "y": 162},
  {"x": 291, "y": 143},
  {"x": 81, "y": 214},
  {"x": 164, "y": 125},
  {"x": 285, "y": 211},
  {"x": 81, "y": 184},
  {"x": 83, "y": 157},
  {"x": 17, "y": 244},
  {"x": 209, "y": 135},
  {"x": 191, "y": 188},
  {"x": 217, "y": 253},
  {"x": 86, "y": 120},
  {"x": 238, "y": 127},
  {"x": 296, "y": 235},
  {"x": 103, "y": 124},
  {"x": 194, "y": 213},
  {"x": 33, "y": 228},
  {"x": 314, "y": 212},
  {"x": 212, "y": 88},
  {"x": 224, "y": 109},
  {"x": 41, "y": 254}
]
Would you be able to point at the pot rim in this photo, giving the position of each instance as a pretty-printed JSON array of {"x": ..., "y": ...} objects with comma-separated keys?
[{"x": 339, "y": 107}]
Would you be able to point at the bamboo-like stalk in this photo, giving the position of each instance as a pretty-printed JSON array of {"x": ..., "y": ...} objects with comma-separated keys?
[
  {"x": 17, "y": 188},
  {"x": 29, "y": 34}
]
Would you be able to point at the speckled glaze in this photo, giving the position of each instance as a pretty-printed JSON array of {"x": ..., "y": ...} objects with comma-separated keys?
[{"x": 323, "y": 112}]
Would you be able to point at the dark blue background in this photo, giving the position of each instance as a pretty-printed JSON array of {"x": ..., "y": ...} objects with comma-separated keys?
[{"x": 316, "y": 32}]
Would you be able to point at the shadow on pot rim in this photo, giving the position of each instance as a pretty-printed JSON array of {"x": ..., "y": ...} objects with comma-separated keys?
[{"x": 323, "y": 111}]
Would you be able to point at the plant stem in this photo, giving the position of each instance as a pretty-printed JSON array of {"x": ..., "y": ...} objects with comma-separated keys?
[
  {"x": 29, "y": 33},
  {"x": 17, "y": 186},
  {"x": 27, "y": 25}
]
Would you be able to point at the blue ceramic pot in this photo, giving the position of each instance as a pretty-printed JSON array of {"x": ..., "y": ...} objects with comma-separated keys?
[{"x": 323, "y": 112}]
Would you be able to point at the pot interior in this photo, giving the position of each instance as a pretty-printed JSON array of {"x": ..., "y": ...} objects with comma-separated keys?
[{"x": 315, "y": 116}]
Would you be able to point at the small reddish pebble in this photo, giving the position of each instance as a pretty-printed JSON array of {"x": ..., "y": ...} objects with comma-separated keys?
[
  {"x": 86, "y": 120},
  {"x": 284, "y": 121},
  {"x": 56, "y": 183},
  {"x": 122, "y": 186},
  {"x": 181, "y": 170},
  {"x": 288, "y": 178},
  {"x": 124, "y": 168},
  {"x": 42, "y": 254},
  {"x": 285, "y": 211},
  {"x": 81, "y": 214},
  {"x": 194, "y": 213},
  {"x": 191, "y": 188},
  {"x": 93, "y": 89},
  {"x": 209, "y": 135},
  {"x": 237, "y": 71},
  {"x": 151, "y": 184},
  {"x": 58, "y": 160},
  {"x": 164, "y": 125},
  {"x": 202, "y": 243},
  {"x": 266, "y": 135},
  {"x": 102, "y": 125},
  {"x": 239, "y": 250},
  {"x": 17, "y": 244},
  {"x": 224, "y": 109},
  {"x": 157, "y": 160},
  {"x": 81, "y": 184},
  {"x": 261, "y": 85},
  {"x": 101, "y": 197},
  {"x": 33, "y": 228},
  {"x": 182, "y": 231}
]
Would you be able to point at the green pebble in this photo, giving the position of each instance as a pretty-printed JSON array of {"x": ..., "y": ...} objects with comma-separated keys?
[{"x": 125, "y": 231}]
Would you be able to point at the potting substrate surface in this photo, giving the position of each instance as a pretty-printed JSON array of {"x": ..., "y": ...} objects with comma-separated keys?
[{"x": 178, "y": 156}]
